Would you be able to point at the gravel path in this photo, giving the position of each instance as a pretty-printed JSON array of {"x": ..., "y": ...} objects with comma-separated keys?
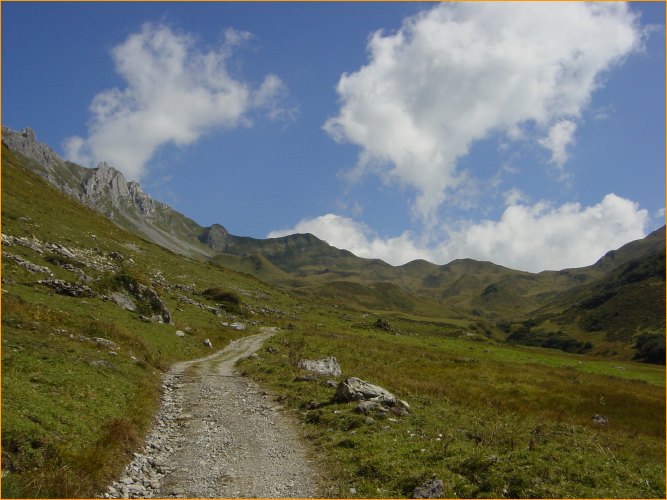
[{"x": 217, "y": 434}]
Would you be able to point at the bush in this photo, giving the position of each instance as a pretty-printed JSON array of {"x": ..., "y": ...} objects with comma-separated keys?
[
  {"x": 550, "y": 340},
  {"x": 221, "y": 295},
  {"x": 651, "y": 348}
]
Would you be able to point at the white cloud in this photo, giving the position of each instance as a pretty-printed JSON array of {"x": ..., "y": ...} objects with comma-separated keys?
[
  {"x": 527, "y": 237},
  {"x": 174, "y": 93},
  {"x": 560, "y": 136},
  {"x": 514, "y": 196},
  {"x": 454, "y": 74},
  {"x": 538, "y": 237}
]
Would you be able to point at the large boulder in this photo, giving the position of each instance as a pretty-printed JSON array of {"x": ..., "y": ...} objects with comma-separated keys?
[
  {"x": 328, "y": 367},
  {"x": 354, "y": 389}
]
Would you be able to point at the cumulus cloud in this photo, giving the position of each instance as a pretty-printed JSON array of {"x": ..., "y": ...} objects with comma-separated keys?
[
  {"x": 540, "y": 236},
  {"x": 174, "y": 93},
  {"x": 459, "y": 72},
  {"x": 526, "y": 237}
]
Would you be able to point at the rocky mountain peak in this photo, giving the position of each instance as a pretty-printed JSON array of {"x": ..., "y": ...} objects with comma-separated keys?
[
  {"x": 25, "y": 142},
  {"x": 215, "y": 237},
  {"x": 106, "y": 181}
]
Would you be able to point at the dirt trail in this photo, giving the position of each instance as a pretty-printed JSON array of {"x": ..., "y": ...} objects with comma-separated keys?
[{"x": 218, "y": 434}]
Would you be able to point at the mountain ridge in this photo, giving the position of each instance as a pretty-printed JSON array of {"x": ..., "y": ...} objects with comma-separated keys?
[{"x": 503, "y": 301}]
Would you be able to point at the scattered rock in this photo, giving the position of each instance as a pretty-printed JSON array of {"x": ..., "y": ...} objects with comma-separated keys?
[
  {"x": 328, "y": 366},
  {"x": 207, "y": 343},
  {"x": 180, "y": 333},
  {"x": 272, "y": 350},
  {"x": 330, "y": 383},
  {"x": 99, "y": 362},
  {"x": 600, "y": 419},
  {"x": 429, "y": 489},
  {"x": 238, "y": 326},
  {"x": 369, "y": 420},
  {"x": 116, "y": 256},
  {"x": 101, "y": 342}
]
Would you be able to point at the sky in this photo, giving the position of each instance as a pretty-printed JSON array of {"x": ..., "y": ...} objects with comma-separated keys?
[{"x": 527, "y": 134}]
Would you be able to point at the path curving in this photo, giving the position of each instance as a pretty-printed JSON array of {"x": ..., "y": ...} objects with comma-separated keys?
[{"x": 218, "y": 434}]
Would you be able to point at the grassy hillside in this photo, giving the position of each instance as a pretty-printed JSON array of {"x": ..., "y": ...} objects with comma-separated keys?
[{"x": 81, "y": 375}]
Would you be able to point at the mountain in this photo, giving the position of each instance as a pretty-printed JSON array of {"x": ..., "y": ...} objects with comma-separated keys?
[
  {"x": 609, "y": 304},
  {"x": 624, "y": 303}
]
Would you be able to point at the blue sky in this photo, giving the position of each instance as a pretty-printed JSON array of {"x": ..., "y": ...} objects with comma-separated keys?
[{"x": 530, "y": 135}]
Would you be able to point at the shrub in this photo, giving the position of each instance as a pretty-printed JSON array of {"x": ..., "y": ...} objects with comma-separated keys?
[
  {"x": 550, "y": 340},
  {"x": 651, "y": 348},
  {"x": 221, "y": 295}
]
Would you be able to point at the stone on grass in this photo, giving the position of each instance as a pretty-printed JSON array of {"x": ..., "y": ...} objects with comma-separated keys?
[
  {"x": 600, "y": 419},
  {"x": 354, "y": 389},
  {"x": 207, "y": 343},
  {"x": 429, "y": 489},
  {"x": 328, "y": 367}
]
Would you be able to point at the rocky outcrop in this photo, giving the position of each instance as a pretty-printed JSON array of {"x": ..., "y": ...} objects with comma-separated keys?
[
  {"x": 148, "y": 295},
  {"x": 328, "y": 367},
  {"x": 121, "y": 299}
]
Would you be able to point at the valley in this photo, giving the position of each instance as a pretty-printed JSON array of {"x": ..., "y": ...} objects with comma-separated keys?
[{"x": 504, "y": 371}]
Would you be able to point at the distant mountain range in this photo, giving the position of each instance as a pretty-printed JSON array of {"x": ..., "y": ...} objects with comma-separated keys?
[{"x": 609, "y": 304}]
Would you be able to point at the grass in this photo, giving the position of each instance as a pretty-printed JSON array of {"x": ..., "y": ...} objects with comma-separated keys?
[
  {"x": 74, "y": 409},
  {"x": 489, "y": 419},
  {"x": 485, "y": 419}
]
